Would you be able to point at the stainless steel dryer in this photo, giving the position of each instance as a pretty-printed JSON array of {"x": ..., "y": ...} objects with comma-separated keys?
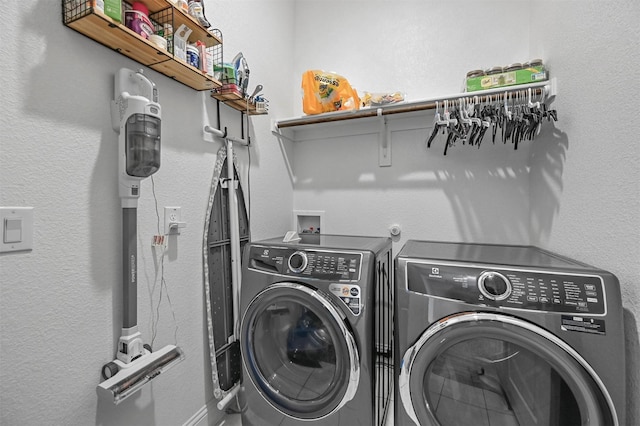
[
  {"x": 316, "y": 337},
  {"x": 506, "y": 335}
]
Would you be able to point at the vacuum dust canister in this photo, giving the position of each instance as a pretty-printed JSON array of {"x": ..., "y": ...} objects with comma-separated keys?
[{"x": 136, "y": 116}]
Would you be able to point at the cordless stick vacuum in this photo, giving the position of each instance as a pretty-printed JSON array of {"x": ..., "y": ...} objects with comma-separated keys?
[{"x": 135, "y": 115}]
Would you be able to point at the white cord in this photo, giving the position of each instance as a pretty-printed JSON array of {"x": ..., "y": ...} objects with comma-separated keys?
[{"x": 155, "y": 319}]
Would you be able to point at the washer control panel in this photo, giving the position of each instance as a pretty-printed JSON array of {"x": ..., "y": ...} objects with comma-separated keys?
[
  {"x": 307, "y": 263},
  {"x": 509, "y": 288}
]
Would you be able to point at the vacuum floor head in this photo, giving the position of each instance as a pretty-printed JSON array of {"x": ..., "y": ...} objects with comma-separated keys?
[{"x": 133, "y": 376}]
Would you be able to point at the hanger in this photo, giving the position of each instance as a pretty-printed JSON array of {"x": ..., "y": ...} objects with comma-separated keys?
[{"x": 438, "y": 123}]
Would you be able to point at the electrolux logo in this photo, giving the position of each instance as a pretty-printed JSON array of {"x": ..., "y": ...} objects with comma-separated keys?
[{"x": 435, "y": 273}]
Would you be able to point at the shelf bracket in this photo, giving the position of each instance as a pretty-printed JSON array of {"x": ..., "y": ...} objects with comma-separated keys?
[
  {"x": 286, "y": 146},
  {"x": 384, "y": 141}
]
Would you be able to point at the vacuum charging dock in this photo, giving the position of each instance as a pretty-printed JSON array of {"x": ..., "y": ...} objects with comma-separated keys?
[{"x": 133, "y": 376}]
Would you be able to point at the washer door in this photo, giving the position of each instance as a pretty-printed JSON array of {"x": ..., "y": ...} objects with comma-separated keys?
[
  {"x": 485, "y": 369},
  {"x": 298, "y": 351}
]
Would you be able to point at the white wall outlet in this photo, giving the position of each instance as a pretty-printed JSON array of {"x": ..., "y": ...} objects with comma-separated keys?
[{"x": 173, "y": 220}]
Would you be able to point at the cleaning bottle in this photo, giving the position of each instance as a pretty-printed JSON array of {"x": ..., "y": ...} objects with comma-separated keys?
[
  {"x": 182, "y": 5},
  {"x": 196, "y": 9}
]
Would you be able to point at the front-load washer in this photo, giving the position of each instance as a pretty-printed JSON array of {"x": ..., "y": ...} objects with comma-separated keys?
[
  {"x": 316, "y": 331},
  {"x": 506, "y": 335}
]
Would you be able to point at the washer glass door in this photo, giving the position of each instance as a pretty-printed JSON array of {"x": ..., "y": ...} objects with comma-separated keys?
[
  {"x": 491, "y": 369},
  {"x": 299, "y": 352}
]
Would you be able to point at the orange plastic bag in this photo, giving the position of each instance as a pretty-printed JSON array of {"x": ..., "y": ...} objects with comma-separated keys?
[{"x": 326, "y": 91}]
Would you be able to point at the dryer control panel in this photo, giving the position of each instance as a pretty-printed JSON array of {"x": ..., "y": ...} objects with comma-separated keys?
[
  {"x": 509, "y": 288},
  {"x": 307, "y": 263}
]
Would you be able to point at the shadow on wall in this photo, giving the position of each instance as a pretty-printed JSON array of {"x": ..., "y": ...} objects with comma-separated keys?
[
  {"x": 632, "y": 354},
  {"x": 548, "y": 155},
  {"x": 106, "y": 229},
  {"x": 61, "y": 85},
  {"x": 128, "y": 412},
  {"x": 481, "y": 194}
]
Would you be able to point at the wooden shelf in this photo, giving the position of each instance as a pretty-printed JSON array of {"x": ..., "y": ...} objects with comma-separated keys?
[
  {"x": 94, "y": 24},
  {"x": 299, "y": 129},
  {"x": 412, "y": 106},
  {"x": 237, "y": 102}
]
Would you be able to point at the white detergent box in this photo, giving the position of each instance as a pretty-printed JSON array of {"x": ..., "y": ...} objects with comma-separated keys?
[{"x": 180, "y": 38}]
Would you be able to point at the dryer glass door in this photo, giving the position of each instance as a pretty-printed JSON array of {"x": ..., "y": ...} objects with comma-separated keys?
[
  {"x": 491, "y": 369},
  {"x": 299, "y": 352}
]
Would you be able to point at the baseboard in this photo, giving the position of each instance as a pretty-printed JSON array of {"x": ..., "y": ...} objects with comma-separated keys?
[{"x": 208, "y": 415}]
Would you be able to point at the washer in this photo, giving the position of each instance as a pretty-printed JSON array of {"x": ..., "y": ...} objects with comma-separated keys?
[
  {"x": 316, "y": 331},
  {"x": 495, "y": 335}
]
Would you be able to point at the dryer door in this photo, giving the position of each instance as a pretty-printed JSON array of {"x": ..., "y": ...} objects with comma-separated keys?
[
  {"x": 485, "y": 369},
  {"x": 299, "y": 352}
]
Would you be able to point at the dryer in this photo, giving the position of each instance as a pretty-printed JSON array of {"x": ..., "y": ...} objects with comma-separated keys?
[
  {"x": 495, "y": 335},
  {"x": 316, "y": 337}
]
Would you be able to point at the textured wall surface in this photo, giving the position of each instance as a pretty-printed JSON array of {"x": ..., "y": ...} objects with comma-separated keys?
[
  {"x": 574, "y": 191},
  {"x": 585, "y": 178},
  {"x": 60, "y": 305},
  {"x": 417, "y": 48}
]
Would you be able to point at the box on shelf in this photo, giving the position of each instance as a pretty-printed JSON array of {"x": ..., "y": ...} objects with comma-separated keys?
[
  {"x": 226, "y": 73},
  {"x": 180, "y": 38},
  {"x": 508, "y": 78},
  {"x": 230, "y": 88},
  {"x": 113, "y": 9}
]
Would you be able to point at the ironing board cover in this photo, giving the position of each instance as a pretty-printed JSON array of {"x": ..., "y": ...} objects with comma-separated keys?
[{"x": 225, "y": 357}]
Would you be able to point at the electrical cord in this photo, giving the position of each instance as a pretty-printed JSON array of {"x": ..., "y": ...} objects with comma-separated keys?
[
  {"x": 155, "y": 319},
  {"x": 154, "y": 322}
]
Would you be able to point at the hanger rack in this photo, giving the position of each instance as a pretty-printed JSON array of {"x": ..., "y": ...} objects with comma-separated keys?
[
  {"x": 547, "y": 87},
  {"x": 543, "y": 92}
]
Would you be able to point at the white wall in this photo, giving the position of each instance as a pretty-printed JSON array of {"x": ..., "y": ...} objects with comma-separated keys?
[
  {"x": 574, "y": 190},
  {"x": 571, "y": 191},
  {"x": 585, "y": 180},
  {"x": 60, "y": 313},
  {"x": 423, "y": 49}
]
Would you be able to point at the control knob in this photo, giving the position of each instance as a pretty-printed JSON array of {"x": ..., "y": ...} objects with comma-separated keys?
[
  {"x": 493, "y": 285},
  {"x": 298, "y": 262}
]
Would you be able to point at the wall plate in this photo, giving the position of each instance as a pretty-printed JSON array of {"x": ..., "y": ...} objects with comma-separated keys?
[{"x": 16, "y": 227}]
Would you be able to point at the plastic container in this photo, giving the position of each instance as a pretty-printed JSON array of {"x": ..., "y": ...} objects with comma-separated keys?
[
  {"x": 140, "y": 7},
  {"x": 193, "y": 56},
  {"x": 513, "y": 67},
  {"x": 475, "y": 73},
  {"x": 138, "y": 22},
  {"x": 535, "y": 63},
  {"x": 158, "y": 40}
]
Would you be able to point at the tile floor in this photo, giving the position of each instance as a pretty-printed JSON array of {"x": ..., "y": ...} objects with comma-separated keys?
[
  {"x": 455, "y": 403},
  {"x": 459, "y": 403},
  {"x": 458, "y": 397},
  {"x": 234, "y": 419}
]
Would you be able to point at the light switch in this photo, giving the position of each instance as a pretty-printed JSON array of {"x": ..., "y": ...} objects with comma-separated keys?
[
  {"x": 16, "y": 225},
  {"x": 12, "y": 230}
]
